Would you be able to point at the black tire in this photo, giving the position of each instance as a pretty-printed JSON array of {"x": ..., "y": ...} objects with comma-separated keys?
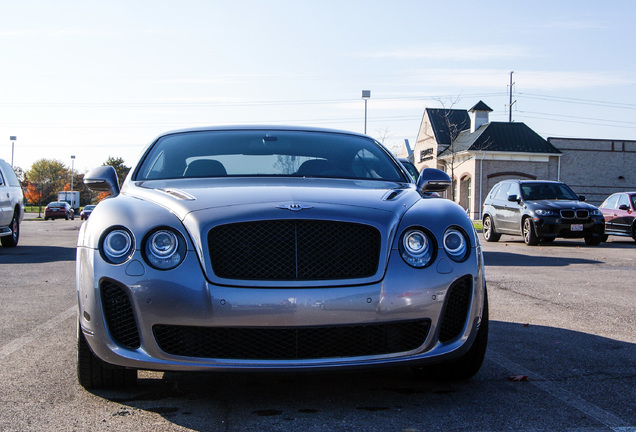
[
  {"x": 93, "y": 373},
  {"x": 12, "y": 240},
  {"x": 465, "y": 366},
  {"x": 593, "y": 240},
  {"x": 529, "y": 235},
  {"x": 604, "y": 238},
  {"x": 67, "y": 217},
  {"x": 490, "y": 235}
]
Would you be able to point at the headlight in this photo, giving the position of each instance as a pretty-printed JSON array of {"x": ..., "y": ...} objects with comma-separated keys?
[
  {"x": 596, "y": 212},
  {"x": 417, "y": 248},
  {"x": 456, "y": 244},
  {"x": 117, "y": 245},
  {"x": 164, "y": 248},
  {"x": 542, "y": 212}
]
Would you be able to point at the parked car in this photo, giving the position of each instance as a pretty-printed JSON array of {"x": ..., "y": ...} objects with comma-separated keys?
[
  {"x": 619, "y": 211},
  {"x": 86, "y": 212},
  {"x": 11, "y": 206},
  {"x": 223, "y": 243},
  {"x": 540, "y": 211},
  {"x": 59, "y": 210}
]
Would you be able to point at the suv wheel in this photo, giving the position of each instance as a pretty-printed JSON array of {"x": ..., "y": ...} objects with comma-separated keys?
[
  {"x": 489, "y": 230},
  {"x": 12, "y": 240},
  {"x": 591, "y": 240},
  {"x": 529, "y": 236}
]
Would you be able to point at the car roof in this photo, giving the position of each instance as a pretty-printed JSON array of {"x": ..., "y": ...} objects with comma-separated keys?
[{"x": 262, "y": 127}]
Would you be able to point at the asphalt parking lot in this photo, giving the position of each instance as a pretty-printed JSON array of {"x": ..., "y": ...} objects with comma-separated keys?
[{"x": 561, "y": 357}]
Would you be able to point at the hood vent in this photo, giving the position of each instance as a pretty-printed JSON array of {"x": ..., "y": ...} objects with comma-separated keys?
[{"x": 179, "y": 194}]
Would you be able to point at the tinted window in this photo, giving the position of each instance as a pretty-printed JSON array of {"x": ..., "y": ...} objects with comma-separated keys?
[
  {"x": 502, "y": 194},
  {"x": 547, "y": 191},
  {"x": 267, "y": 153}
]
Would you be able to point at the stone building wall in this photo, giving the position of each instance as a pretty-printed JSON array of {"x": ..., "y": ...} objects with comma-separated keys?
[{"x": 597, "y": 168}]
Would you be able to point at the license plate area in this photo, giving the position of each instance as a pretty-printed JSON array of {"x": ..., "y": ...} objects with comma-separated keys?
[{"x": 576, "y": 227}]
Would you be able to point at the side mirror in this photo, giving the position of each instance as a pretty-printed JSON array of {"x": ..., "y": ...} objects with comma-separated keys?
[
  {"x": 514, "y": 198},
  {"x": 102, "y": 179},
  {"x": 623, "y": 207},
  {"x": 581, "y": 197},
  {"x": 433, "y": 180}
]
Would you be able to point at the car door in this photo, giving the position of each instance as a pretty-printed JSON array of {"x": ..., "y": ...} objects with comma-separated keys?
[
  {"x": 608, "y": 208},
  {"x": 503, "y": 218},
  {"x": 623, "y": 215},
  {"x": 5, "y": 201},
  {"x": 514, "y": 209}
]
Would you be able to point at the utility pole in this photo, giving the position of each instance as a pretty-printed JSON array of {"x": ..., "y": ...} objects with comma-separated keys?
[{"x": 510, "y": 100}]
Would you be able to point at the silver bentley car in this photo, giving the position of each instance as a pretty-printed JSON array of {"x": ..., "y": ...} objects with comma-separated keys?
[{"x": 276, "y": 249}]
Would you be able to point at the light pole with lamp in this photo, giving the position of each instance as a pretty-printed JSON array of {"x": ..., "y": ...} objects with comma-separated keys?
[
  {"x": 72, "y": 170},
  {"x": 12, "y": 138},
  {"x": 366, "y": 95}
]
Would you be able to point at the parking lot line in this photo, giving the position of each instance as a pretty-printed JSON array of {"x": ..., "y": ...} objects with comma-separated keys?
[
  {"x": 24, "y": 340},
  {"x": 589, "y": 409}
]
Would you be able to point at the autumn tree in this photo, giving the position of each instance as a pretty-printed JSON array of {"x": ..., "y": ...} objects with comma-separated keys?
[
  {"x": 48, "y": 176},
  {"x": 31, "y": 194}
]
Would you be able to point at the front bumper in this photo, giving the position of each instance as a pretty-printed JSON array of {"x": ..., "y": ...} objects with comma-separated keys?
[
  {"x": 569, "y": 228},
  {"x": 174, "y": 312}
]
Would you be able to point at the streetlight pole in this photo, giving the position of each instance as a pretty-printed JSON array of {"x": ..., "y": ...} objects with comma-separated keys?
[
  {"x": 72, "y": 170},
  {"x": 366, "y": 95},
  {"x": 12, "y": 138}
]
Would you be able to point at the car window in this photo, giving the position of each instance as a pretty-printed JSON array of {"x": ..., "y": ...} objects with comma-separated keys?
[
  {"x": 513, "y": 190},
  {"x": 502, "y": 194},
  {"x": 633, "y": 197},
  {"x": 610, "y": 203},
  {"x": 267, "y": 153},
  {"x": 622, "y": 200},
  {"x": 493, "y": 193},
  {"x": 547, "y": 191}
]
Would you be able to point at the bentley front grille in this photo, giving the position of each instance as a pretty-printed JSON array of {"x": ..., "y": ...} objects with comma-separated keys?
[
  {"x": 295, "y": 343},
  {"x": 290, "y": 250}
]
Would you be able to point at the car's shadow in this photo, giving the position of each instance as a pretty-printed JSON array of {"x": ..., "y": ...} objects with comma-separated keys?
[
  {"x": 520, "y": 260},
  {"x": 36, "y": 254},
  {"x": 393, "y": 399}
]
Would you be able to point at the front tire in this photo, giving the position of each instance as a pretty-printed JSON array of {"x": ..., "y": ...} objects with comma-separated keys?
[
  {"x": 489, "y": 230},
  {"x": 593, "y": 240},
  {"x": 12, "y": 240},
  {"x": 529, "y": 235},
  {"x": 93, "y": 373}
]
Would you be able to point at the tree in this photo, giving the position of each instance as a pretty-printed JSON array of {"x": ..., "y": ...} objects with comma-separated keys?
[
  {"x": 48, "y": 176},
  {"x": 121, "y": 169},
  {"x": 31, "y": 194}
]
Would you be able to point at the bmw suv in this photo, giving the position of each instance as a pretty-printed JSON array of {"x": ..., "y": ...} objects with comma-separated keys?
[{"x": 540, "y": 211}]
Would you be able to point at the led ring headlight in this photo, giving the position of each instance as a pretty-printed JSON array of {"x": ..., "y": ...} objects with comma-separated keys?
[
  {"x": 164, "y": 248},
  {"x": 456, "y": 244}
]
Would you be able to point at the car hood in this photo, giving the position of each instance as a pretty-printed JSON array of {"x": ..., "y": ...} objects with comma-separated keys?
[{"x": 184, "y": 197}]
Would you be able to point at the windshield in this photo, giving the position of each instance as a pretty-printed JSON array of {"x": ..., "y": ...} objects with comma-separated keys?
[
  {"x": 267, "y": 153},
  {"x": 547, "y": 191}
]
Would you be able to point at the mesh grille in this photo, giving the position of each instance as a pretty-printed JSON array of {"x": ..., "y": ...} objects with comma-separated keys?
[
  {"x": 456, "y": 309},
  {"x": 119, "y": 315},
  {"x": 291, "y": 343},
  {"x": 294, "y": 250}
]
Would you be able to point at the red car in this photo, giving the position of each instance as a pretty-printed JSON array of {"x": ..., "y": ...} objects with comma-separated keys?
[
  {"x": 619, "y": 211},
  {"x": 59, "y": 210}
]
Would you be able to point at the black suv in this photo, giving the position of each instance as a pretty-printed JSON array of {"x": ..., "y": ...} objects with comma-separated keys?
[{"x": 540, "y": 211}]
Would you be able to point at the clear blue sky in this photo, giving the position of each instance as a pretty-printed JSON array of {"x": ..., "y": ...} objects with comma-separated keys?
[{"x": 98, "y": 79}]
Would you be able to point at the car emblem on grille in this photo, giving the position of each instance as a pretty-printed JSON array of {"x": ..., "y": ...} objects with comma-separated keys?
[{"x": 294, "y": 206}]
